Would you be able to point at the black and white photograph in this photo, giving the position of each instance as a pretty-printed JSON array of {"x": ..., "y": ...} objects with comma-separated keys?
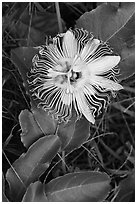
[{"x": 68, "y": 101}]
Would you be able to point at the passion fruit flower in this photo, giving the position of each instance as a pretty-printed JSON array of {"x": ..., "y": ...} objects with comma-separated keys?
[{"x": 75, "y": 73}]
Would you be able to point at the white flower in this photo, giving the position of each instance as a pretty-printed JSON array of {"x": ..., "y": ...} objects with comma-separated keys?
[{"x": 76, "y": 73}]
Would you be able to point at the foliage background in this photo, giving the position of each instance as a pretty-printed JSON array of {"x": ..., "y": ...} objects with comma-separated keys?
[{"x": 26, "y": 24}]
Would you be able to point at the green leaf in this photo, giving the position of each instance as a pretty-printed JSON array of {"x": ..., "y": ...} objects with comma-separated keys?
[
  {"x": 85, "y": 186},
  {"x": 114, "y": 24},
  {"x": 35, "y": 193},
  {"x": 31, "y": 165},
  {"x": 74, "y": 133},
  {"x": 35, "y": 125}
]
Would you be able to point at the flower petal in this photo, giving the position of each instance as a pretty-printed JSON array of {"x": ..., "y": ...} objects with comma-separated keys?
[
  {"x": 69, "y": 45},
  {"x": 78, "y": 65},
  {"x": 89, "y": 49},
  {"x": 82, "y": 36},
  {"x": 52, "y": 79},
  {"x": 83, "y": 106},
  {"x": 107, "y": 84},
  {"x": 103, "y": 64}
]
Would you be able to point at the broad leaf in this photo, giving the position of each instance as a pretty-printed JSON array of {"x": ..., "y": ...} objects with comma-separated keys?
[
  {"x": 35, "y": 125},
  {"x": 79, "y": 187},
  {"x": 106, "y": 20},
  {"x": 114, "y": 24},
  {"x": 22, "y": 58},
  {"x": 31, "y": 165},
  {"x": 30, "y": 130},
  {"x": 80, "y": 135},
  {"x": 35, "y": 193},
  {"x": 74, "y": 133},
  {"x": 127, "y": 64},
  {"x": 66, "y": 131}
]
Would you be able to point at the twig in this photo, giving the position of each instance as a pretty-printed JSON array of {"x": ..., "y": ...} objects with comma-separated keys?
[
  {"x": 63, "y": 162},
  {"x": 14, "y": 170},
  {"x": 58, "y": 17}
]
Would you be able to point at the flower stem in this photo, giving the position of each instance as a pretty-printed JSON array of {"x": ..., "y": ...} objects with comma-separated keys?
[
  {"x": 63, "y": 162},
  {"x": 58, "y": 17}
]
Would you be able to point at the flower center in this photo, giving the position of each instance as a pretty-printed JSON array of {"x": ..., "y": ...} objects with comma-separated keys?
[
  {"x": 63, "y": 73},
  {"x": 64, "y": 65},
  {"x": 74, "y": 76}
]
